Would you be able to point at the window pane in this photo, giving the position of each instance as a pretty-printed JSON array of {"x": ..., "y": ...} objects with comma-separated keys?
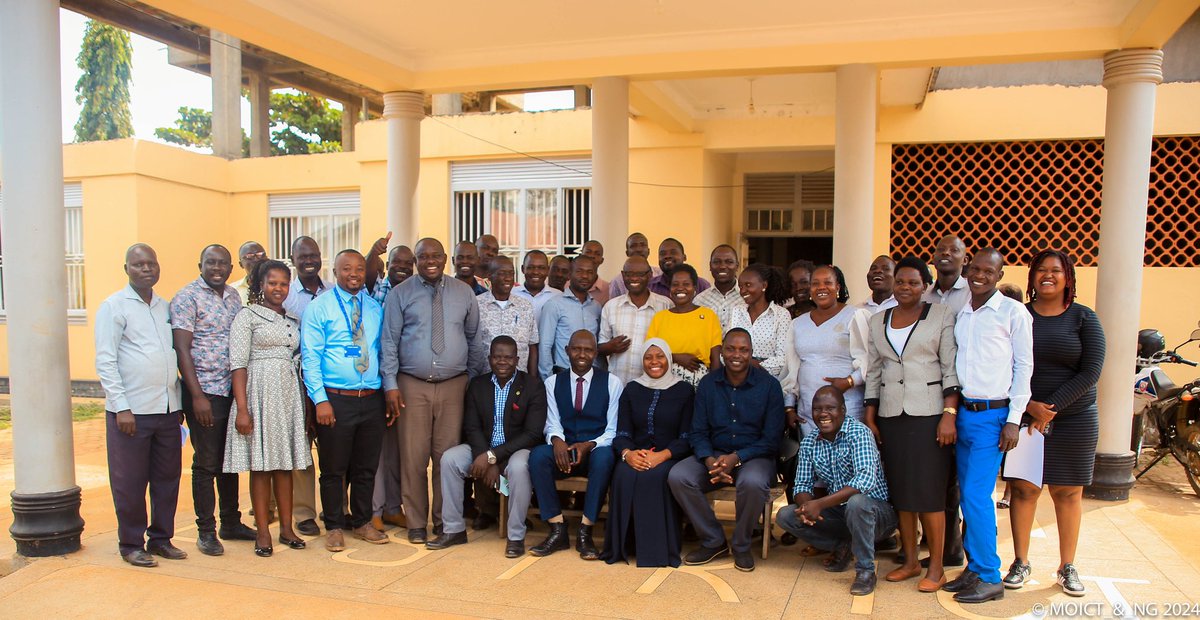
[
  {"x": 541, "y": 220},
  {"x": 505, "y": 220}
]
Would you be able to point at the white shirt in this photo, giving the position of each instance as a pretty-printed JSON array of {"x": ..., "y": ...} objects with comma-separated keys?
[
  {"x": 554, "y": 421},
  {"x": 957, "y": 297},
  {"x": 875, "y": 308},
  {"x": 135, "y": 356},
  {"x": 995, "y": 353},
  {"x": 298, "y": 297}
]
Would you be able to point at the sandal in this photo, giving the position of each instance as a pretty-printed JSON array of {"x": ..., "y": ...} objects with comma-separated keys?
[{"x": 1002, "y": 504}]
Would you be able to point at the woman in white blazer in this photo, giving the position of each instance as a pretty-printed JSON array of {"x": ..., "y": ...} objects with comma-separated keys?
[{"x": 910, "y": 402}]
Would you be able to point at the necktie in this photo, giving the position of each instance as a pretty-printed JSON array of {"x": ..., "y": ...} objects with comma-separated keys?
[
  {"x": 363, "y": 363},
  {"x": 579, "y": 394},
  {"x": 437, "y": 339}
]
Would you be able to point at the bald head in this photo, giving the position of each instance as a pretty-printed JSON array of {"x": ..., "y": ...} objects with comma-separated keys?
[
  {"x": 581, "y": 351},
  {"x": 141, "y": 265}
]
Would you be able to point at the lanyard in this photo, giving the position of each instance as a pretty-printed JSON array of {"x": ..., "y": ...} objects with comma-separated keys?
[{"x": 342, "y": 306}]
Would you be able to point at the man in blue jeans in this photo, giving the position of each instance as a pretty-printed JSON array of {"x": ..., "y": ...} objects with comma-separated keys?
[
  {"x": 856, "y": 513},
  {"x": 994, "y": 364}
]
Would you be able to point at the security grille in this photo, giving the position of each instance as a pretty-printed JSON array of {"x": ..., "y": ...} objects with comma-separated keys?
[{"x": 330, "y": 218}]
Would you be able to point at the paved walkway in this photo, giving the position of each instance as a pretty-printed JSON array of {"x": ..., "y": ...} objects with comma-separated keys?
[{"x": 1142, "y": 552}]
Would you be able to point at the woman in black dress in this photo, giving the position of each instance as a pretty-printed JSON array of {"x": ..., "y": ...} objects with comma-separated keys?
[
  {"x": 1068, "y": 353},
  {"x": 652, "y": 435}
]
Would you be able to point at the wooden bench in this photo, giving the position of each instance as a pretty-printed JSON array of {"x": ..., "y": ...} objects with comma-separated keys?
[{"x": 728, "y": 494}]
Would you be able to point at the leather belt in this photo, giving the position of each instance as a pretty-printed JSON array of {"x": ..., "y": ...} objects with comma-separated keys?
[
  {"x": 351, "y": 393},
  {"x": 983, "y": 405},
  {"x": 432, "y": 380}
]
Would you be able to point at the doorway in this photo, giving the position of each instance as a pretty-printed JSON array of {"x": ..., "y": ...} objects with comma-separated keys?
[{"x": 782, "y": 251}]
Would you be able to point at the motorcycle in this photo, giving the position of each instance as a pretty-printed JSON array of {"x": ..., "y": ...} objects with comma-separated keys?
[{"x": 1166, "y": 420}]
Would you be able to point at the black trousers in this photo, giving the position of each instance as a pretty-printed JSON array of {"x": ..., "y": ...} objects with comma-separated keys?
[
  {"x": 349, "y": 455},
  {"x": 151, "y": 457},
  {"x": 208, "y": 459}
]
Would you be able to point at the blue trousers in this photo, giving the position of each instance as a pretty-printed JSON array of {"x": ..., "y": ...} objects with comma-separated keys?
[
  {"x": 543, "y": 472},
  {"x": 978, "y": 459}
]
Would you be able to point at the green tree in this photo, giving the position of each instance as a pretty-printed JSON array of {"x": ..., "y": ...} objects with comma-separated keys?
[
  {"x": 300, "y": 123},
  {"x": 106, "y": 58}
]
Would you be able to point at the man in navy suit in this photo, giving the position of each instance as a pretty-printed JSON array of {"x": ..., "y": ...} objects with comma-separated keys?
[{"x": 581, "y": 422}]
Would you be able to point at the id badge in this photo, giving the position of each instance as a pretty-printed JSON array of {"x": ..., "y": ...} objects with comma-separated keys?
[{"x": 353, "y": 350}]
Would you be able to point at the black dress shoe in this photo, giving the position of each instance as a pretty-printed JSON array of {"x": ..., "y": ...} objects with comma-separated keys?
[
  {"x": 840, "y": 560},
  {"x": 981, "y": 592},
  {"x": 514, "y": 549},
  {"x": 168, "y": 551},
  {"x": 208, "y": 544},
  {"x": 890, "y": 543},
  {"x": 743, "y": 561},
  {"x": 308, "y": 527},
  {"x": 417, "y": 537},
  {"x": 293, "y": 543},
  {"x": 237, "y": 531},
  {"x": 447, "y": 540},
  {"x": 584, "y": 544},
  {"x": 263, "y": 552},
  {"x": 140, "y": 558},
  {"x": 558, "y": 540},
  {"x": 964, "y": 581},
  {"x": 483, "y": 522},
  {"x": 704, "y": 555},
  {"x": 438, "y": 529},
  {"x": 864, "y": 582}
]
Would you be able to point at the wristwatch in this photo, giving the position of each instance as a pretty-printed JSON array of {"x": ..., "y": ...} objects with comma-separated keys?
[
  {"x": 491, "y": 457},
  {"x": 950, "y": 410}
]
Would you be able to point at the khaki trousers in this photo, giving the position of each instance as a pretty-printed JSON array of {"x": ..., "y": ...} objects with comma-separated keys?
[{"x": 430, "y": 424}]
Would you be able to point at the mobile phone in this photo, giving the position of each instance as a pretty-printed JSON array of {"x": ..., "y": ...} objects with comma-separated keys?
[{"x": 573, "y": 453}]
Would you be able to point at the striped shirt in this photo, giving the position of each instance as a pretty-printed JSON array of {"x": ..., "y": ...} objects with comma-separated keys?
[
  {"x": 620, "y": 317},
  {"x": 722, "y": 303}
]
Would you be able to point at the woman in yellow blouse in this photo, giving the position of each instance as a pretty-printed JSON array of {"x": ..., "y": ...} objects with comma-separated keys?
[{"x": 693, "y": 332}]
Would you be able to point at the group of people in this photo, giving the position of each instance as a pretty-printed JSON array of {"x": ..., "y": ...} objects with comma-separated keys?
[{"x": 658, "y": 387}]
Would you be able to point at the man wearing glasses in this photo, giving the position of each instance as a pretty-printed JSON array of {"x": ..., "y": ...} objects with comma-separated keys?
[
  {"x": 250, "y": 256},
  {"x": 625, "y": 319}
]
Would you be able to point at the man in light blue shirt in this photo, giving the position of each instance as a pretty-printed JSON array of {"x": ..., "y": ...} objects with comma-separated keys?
[
  {"x": 566, "y": 314},
  {"x": 136, "y": 364},
  {"x": 340, "y": 350}
]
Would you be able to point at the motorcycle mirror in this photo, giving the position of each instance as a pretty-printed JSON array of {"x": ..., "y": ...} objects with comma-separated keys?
[{"x": 1195, "y": 334}]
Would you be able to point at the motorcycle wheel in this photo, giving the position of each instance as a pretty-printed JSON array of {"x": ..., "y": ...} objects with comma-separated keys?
[{"x": 1187, "y": 452}]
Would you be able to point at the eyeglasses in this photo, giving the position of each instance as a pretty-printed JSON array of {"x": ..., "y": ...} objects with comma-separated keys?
[{"x": 250, "y": 255}]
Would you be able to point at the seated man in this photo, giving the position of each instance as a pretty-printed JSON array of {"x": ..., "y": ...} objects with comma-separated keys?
[
  {"x": 736, "y": 426},
  {"x": 856, "y": 513},
  {"x": 503, "y": 419},
  {"x": 581, "y": 422}
]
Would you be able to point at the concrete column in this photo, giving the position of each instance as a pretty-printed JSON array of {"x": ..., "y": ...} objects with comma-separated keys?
[
  {"x": 610, "y": 166},
  {"x": 351, "y": 110},
  {"x": 226, "y": 70},
  {"x": 1130, "y": 76},
  {"x": 403, "y": 111},
  {"x": 447, "y": 104},
  {"x": 260, "y": 115},
  {"x": 583, "y": 96},
  {"x": 854, "y": 173},
  {"x": 45, "y": 502}
]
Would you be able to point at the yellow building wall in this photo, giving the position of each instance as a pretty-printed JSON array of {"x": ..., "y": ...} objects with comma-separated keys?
[{"x": 683, "y": 185}]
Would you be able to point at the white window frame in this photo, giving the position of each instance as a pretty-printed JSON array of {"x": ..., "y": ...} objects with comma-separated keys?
[
  {"x": 802, "y": 206},
  {"x": 306, "y": 210},
  {"x": 561, "y": 176},
  {"x": 74, "y": 259}
]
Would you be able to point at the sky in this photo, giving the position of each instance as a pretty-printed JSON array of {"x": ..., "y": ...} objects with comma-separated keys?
[{"x": 158, "y": 89}]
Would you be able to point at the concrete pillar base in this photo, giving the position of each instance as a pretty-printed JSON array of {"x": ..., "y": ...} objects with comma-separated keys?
[
  {"x": 46, "y": 524},
  {"x": 1112, "y": 477}
]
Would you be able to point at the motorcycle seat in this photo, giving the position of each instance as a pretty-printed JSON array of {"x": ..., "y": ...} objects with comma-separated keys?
[{"x": 1164, "y": 387}]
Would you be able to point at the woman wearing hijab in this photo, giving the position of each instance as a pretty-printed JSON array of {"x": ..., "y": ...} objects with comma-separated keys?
[{"x": 653, "y": 420}]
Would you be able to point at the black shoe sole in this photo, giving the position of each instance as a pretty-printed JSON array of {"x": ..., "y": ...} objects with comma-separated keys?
[
  {"x": 988, "y": 599},
  {"x": 543, "y": 552}
]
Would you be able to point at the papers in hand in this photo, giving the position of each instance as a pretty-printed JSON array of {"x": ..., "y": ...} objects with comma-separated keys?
[{"x": 1025, "y": 461}]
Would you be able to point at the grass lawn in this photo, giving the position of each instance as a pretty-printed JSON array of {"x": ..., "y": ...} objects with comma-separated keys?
[{"x": 79, "y": 411}]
